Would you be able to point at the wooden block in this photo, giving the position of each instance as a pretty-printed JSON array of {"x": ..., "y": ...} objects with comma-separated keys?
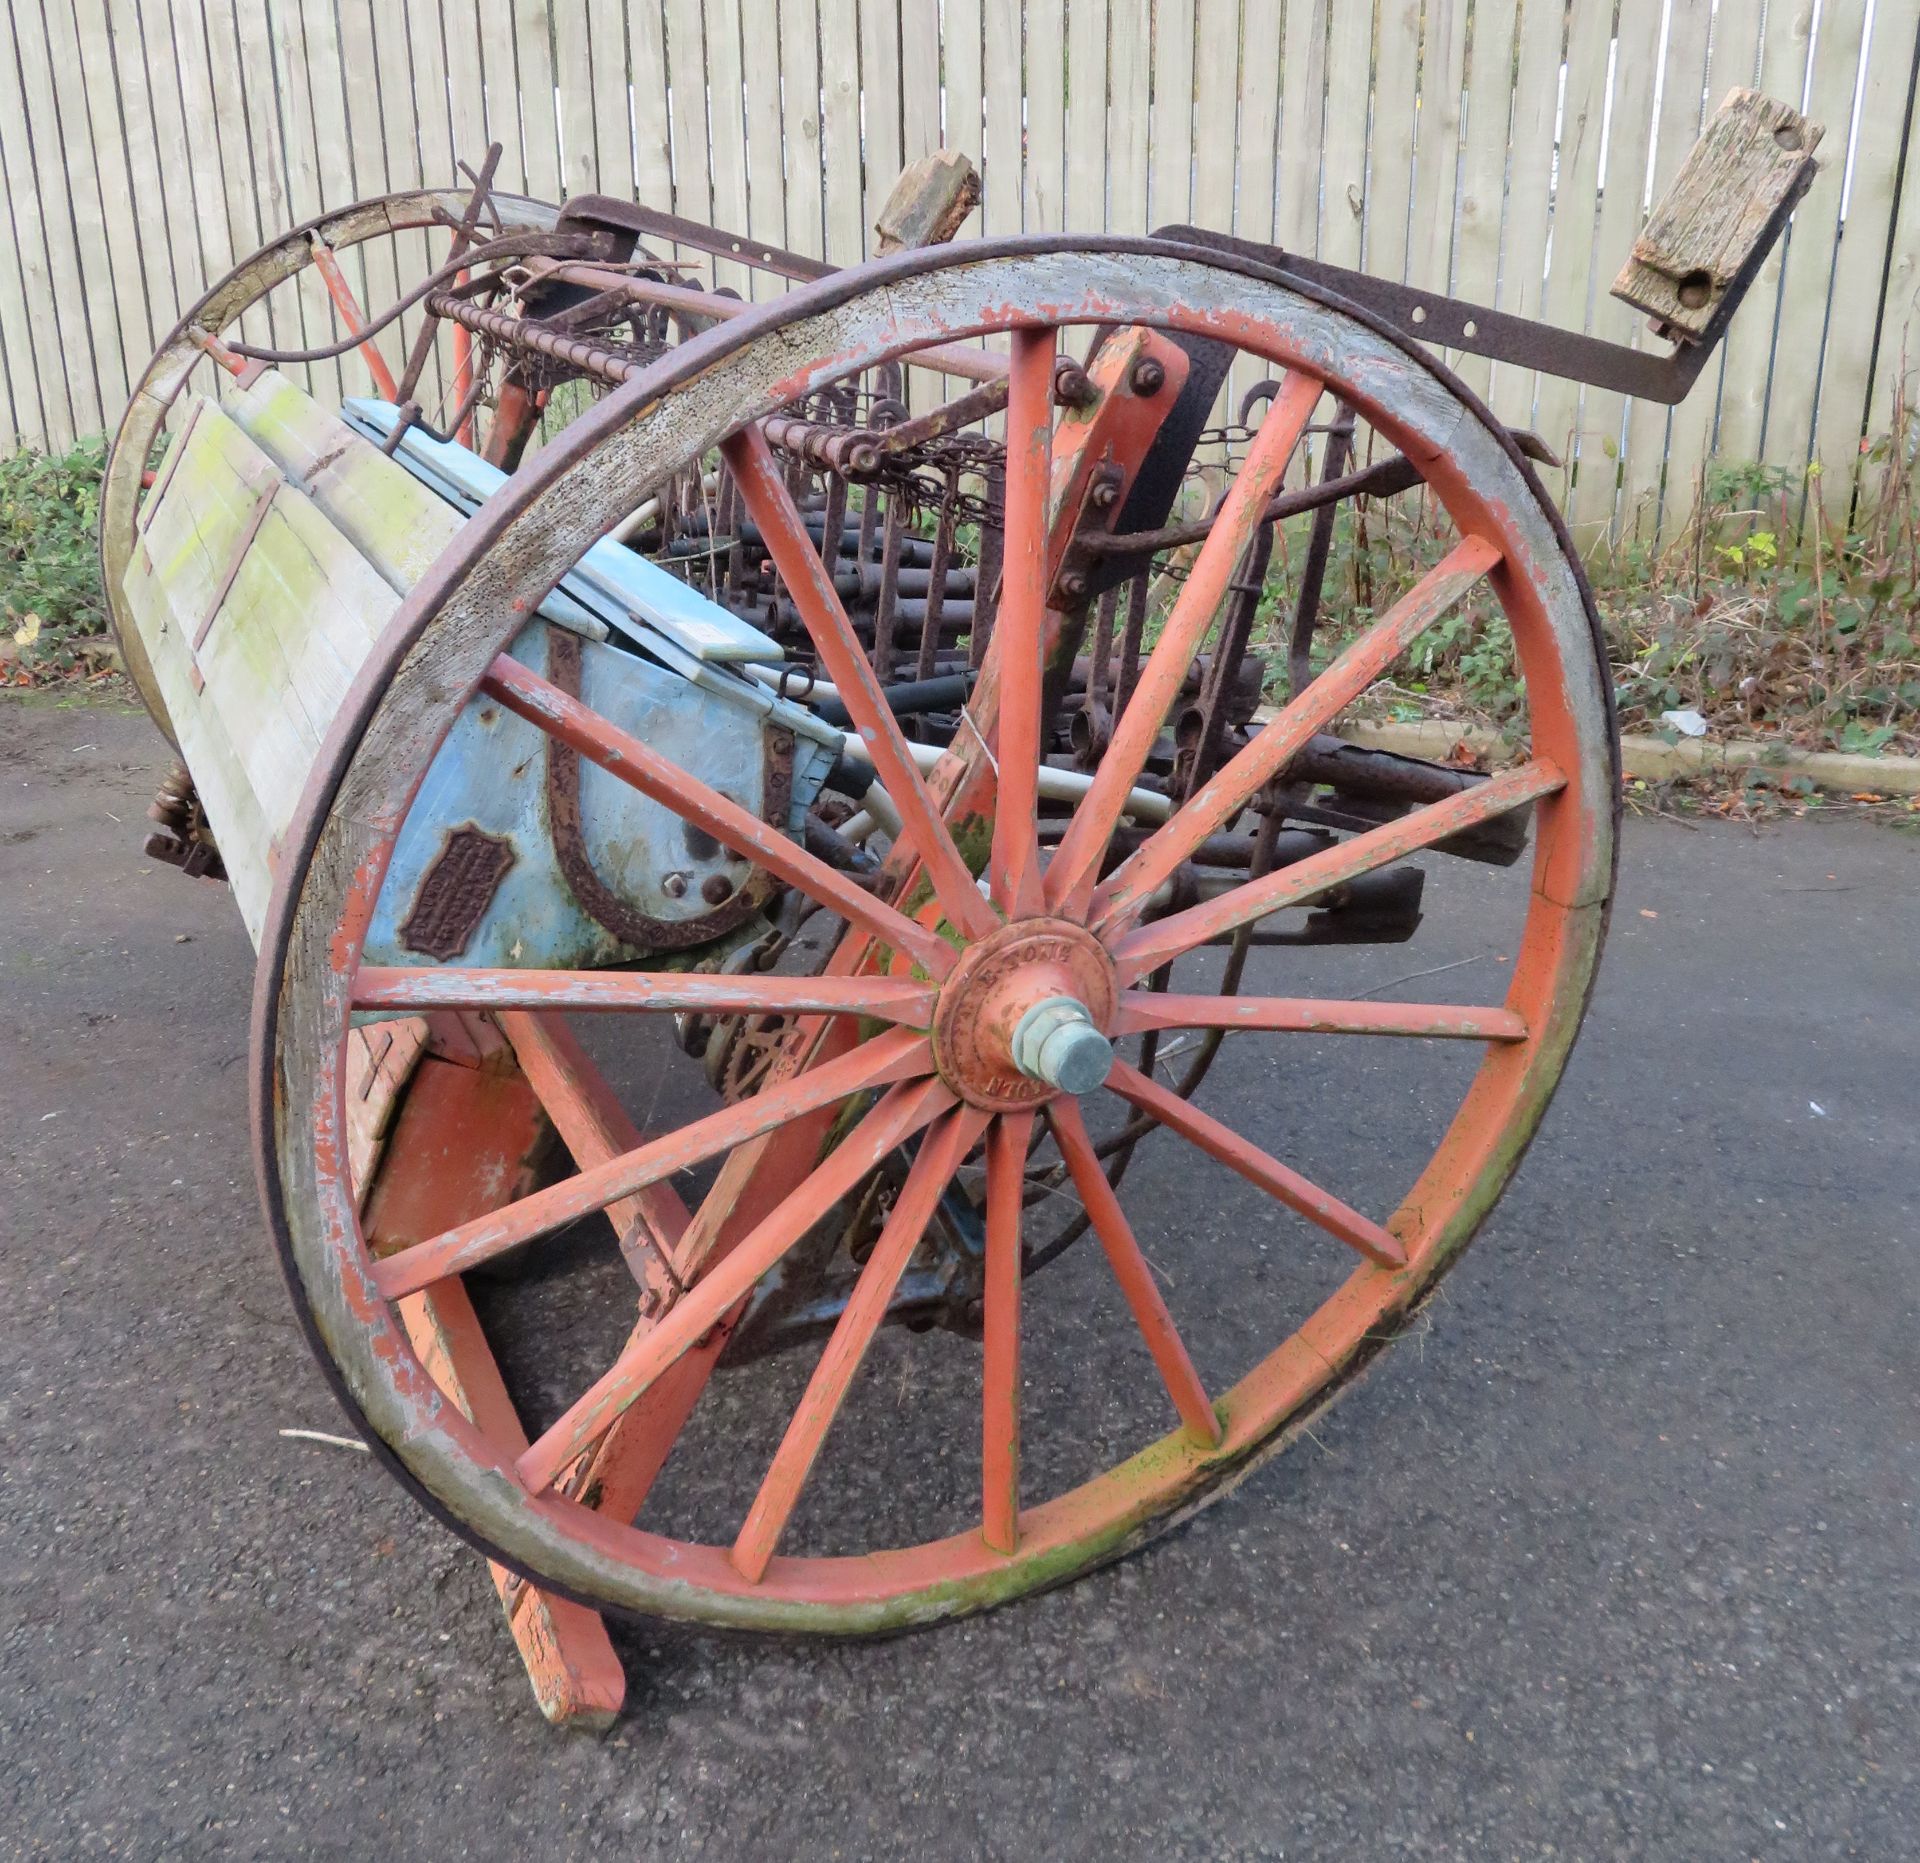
[
  {"x": 929, "y": 202},
  {"x": 1748, "y": 162}
]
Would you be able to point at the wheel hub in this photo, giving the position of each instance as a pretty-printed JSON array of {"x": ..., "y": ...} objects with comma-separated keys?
[{"x": 1025, "y": 1015}]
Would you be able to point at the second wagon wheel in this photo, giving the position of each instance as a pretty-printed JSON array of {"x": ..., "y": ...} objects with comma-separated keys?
[{"x": 969, "y": 1016}]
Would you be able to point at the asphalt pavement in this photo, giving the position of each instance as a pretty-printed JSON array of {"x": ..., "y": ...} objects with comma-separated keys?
[{"x": 1618, "y": 1555}]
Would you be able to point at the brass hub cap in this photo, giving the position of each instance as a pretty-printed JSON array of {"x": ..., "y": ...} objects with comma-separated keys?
[{"x": 1032, "y": 965}]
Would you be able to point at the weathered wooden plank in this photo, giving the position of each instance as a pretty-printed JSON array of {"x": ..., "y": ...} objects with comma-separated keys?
[
  {"x": 1896, "y": 373},
  {"x": 1847, "y": 362},
  {"x": 804, "y": 182},
  {"x": 120, "y": 243},
  {"x": 846, "y": 221},
  {"x": 500, "y": 86},
  {"x": 766, "y": 180},
  {"x": 920, "y": 132},
  {"x": 727, "y": 117},
  {"x": 1303, "y": 108},
  {"x": 647, "y": 58},
  {"x": 606, "y": 76},
  {"x": 1576, "y": 206},
  {"x": 1622, "y": 192},
  {"x": 1085, "y": 208},
  {"x": 1343, "y": 168},
  {"x": 574, "y": 109},
  {"x": 1483, "y": 167},
  {"x": 1705, "y": 227},
  {"x": 1002, "y": 176},
  {"x": 1808, "y": 271},
  {"x": 1523, "y": 258},
  {"x": 1395, "y": 127},
  {"x": 1046, "y": 176},
  {"x": 539, "y": 116},
  {"x": 879, "y": 53},
  {"x": 24, "y": 410},
  {"x": 1680, "y": 114},
  {"x": 1730, "y": 66},
  {"x": 1129, "y": 113},
  {"x": 1436, "y": 174},
  {"x": 1170, "y": 155},
  {"x": 71, "y": 351}
]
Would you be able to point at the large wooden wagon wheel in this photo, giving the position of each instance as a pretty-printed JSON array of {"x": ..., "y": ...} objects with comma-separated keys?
[
  {"x": 198, "y": 345},
  {"x": 976, "y": 996}
]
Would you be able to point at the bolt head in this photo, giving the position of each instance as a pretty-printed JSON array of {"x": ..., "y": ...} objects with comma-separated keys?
[
  {"x": 1149, "y": 376},
  {"x": 674, "y": 886},
  {"x": 716, "y": 889},
  {"x": 1073, "y": 585}
]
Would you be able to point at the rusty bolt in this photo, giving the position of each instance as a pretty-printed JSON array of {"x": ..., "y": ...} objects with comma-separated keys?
[
  {"x": 1073, "y": 584},
  {"x": 716, "y": 889},
  {"x": 1105, "y": 494},
  {"x": 674, "y": 886},
  {"x": 1071, "y": 388},
  {"x": 1149, "y": 376}
]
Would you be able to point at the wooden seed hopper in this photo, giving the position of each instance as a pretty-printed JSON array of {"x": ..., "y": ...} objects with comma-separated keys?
[{"x": 800, "y": 785}]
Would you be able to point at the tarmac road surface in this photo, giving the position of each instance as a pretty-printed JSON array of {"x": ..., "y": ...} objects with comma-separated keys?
[{"x": 1618, "y": 1556}]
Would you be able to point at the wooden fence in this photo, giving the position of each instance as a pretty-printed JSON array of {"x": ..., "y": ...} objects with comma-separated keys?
[{"x": 1501, "y": 149}]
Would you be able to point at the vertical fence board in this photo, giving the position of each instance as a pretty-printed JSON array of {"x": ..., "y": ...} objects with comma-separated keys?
[
  {"x": 1000, "y": 79},
  {"x": 1170, "y": 157},
  {"x": 1622, "y": 193},
  {"x": 800, "y": 102},
  {"x": 1045, "y": 182},
  {"x": 33, "y": 342},
  {"x": 1483, "y": 167},
  {"x": 920, "y": 125},
  {"x": 1816, "y": 229},
  {"x": 1395, "y": 127},
  {"x": 1683, "y": 86},
  {"x": 726, "y": 130},
  {"x": 1129, "y": 112},
  {"x": 1861, "y": 262},
  {"x": 1086, "y": 128},
  {"x": 1303, "y": 117},
  {"x": 1730, "y": 65},
  {"x": 1343, "y": 174},
  {"x": 573, "y": 76},
  {"x": 1896, "y": 370},
  {"x": 1443, "y": 66},
  {"x": 652, "y": 127},
  {"x": 539, "y": 117},
  {"x": 1571, "y": 261}
]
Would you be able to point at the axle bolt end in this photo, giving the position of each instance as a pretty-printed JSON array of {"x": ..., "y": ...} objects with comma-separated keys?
[{"x": 1059, "y": 1043}]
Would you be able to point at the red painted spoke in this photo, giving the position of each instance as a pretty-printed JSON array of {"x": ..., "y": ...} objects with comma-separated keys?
[
  {"x": 1141, "y": 1010},
  {"x": 1076, "y": 862},
  {"x": 623, "y": 755},
  {"x": 1020, "y": 625},
  {"x": 1257, "y": 1167},
  {"x": 897, "y": 1055},
  {"x": 940, "y": 1155},
  {"x": 403, "y": 987},
  {"x": 1154, "y": 944},
  {"x": 326, "y": 262},
  {"x": 1000, "y": 1345},
  {"x": 810, "y": 581},
  {"x": 595, "y": 1129},
  {"x": 1120, "y": 900},
  {"x": 652, "y": 1352},
  {"x": 1131, "y": 1270}
]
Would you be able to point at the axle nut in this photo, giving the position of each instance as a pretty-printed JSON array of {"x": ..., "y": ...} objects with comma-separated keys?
[
  {"x": 1058, "y": 1042},
  {"x": 1149, "y": 376}
]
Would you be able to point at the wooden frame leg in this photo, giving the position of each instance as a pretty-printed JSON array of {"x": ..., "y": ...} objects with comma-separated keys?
[{"x": 467, "y": 1122}]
